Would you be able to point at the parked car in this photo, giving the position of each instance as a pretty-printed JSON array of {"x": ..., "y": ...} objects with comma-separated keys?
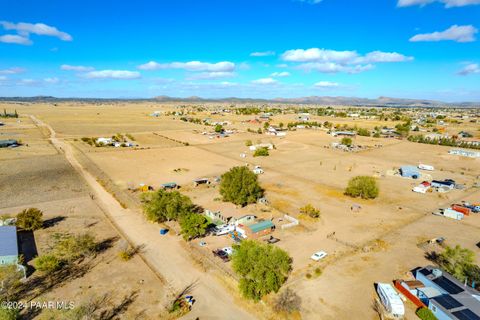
[
  {"x": 221, "y": 254},
  {"x": 317, "y": 256},
  {"x": 272, "y": 240},
  {"x": 228, "y": 250},
  {"x": 223, "y": 229}
]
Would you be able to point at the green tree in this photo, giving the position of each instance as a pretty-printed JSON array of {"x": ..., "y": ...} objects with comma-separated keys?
[
  {"x": 30, "y": 219},
  {"x": 47, "y": 263},
  {"x": 9, "y": 313},
  {"x": 346, "y": 141},
  {"x": 261, "y": 152},
  {"x": 262, "y": 268},
  {"x": 362, "y": 186},
  {"x": 219, "y": 128},
  {"x": 457, "y": 261},
  {"x": 193, "y": 225},
  {"x": 163, "y": 205},
  {"x": 240, "y": 186}
]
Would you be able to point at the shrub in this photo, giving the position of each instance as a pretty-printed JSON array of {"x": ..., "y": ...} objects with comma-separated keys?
[
  {"x": 240, "y": 186},
  {"x": 219, "y": 128},
  {"x": 69, "y": 248},
  {"x": 363, "y": 132},
  {"x": 261, "y": 152},
  {"x": 288, "y": 301},
  {"x": 346, "y": 141},
  {"x": 47, "y": 263},
  {"x": 262, "y": 268},
  {"x": 163, "y": 205},
  {"x": 425, "y": 314},
  {"x": 311, "y": 211},
  {"x": 362, "y": 186},
  {"x": 30, "y": 219},
  {"x": 248, "y": 143}
]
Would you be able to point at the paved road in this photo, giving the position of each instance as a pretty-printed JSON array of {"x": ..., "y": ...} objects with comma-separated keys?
[{"x": 163, "y": 253}]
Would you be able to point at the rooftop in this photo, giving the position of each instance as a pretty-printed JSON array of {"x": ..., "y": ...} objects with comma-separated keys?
[
  {"x": 8, "y": 241},
  {"x": 262, "y": 225}
]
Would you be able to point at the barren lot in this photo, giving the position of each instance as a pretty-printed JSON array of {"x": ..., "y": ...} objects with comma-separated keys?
[{"x": 378, "y": 243}]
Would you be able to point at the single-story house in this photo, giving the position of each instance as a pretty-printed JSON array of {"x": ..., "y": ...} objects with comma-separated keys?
[
  {"x": 245, "y": 220},
  {"x": 8, "y": 245},
  {"x": 216, "y": 216},
  {"x": 259, "y": 229},
  {"x": 8, "y": 143},
  {"x": 343, "y": 133},
  {"x": 450, "y": 184},
  {"x": 409, "y": 172}
]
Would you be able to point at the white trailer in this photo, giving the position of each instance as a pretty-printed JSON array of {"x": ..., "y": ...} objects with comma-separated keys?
[
  {"x": 391, "y": 300},
  {"x": 426, "y": 167}
]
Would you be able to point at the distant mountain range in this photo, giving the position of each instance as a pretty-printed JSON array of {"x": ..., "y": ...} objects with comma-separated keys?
[{"x": 316, "y": 100}]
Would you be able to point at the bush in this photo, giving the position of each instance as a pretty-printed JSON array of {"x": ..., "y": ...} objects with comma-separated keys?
[
  {"x": 311, "y": 211},
  {"x": 9, "y": 313},
  {"x": 69, "y": 248},
  {"x": 163, "y": 205},
  {"x": 425, "y": 314},
  {"x": 261, "y": 152},
  {"x": 262, "y": 268},
  {"x": 362, "y": 186},
  {"x": 193, "y": 225},
  {"x": 288, "y": 301},
  {"x": 363, "y": 132},
  {"x": 30, "y": 219},
  {"x": 47, "y": 263},
  {"x": 240, "y": 186},
  {"x": 346, "y": 141},
  {"x": 219, "y": 128},
  {"x": 248, "y": 143}
]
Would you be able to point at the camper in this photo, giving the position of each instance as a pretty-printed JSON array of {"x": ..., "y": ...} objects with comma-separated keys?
[
  {"x": 391, "y": 300},
  {"x": 425, "y": 167}
]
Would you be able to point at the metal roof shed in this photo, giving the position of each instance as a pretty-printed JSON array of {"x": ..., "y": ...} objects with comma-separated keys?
[
  {"x": 410, "y": 172},
  {"x": 8, "y": 245},
  {"x": 263, "y": 225}
]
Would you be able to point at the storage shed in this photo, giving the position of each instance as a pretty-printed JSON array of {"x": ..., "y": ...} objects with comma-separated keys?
[
  {"x": 410, "y": 172},
  {"x": 8, "y": 143},
  {"x": 259, "y": 229},
  {"x": 8, "y": 245}
]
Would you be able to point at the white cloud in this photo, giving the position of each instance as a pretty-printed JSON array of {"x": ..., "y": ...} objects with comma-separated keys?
[
  {"x": 454, "y": 33},
  {"x": 224, "y": 66},
  {"x": 447, "y": 3},
  {"x": 333, "y": 61},
  {"x": 28, "y": 82},
  {"x": 14, "y": 70},
  {"x": 211, "y": 75},
  {"x": 473, "y": 68},
  {"x": 51, "y": 80},
  {"x": 318, "y": 55},
  {"x": 68, "y": 67},
  {"x": 262, "y": 54},
  {"x": 41, "y": 29},
  {"x": 3, "y": 78},
  {"x": 280, "y": 74},
  {"x": 16, "y": 39},
  {"x": 326, "y": 85},
  {"x": 112, "y": 74},
  {"x": 379, "y": 56},
  {"x": 332, "y": 67},
  {"x": 265, "y": 81}
]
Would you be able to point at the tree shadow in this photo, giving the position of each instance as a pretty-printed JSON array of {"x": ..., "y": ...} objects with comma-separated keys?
[
  {"x": 432, "y": 256},
  {"x": 27, "y": 248},
  {"x": 52, "y": 222},
  {"x": 106, "y": 244},
  {"x": 119, "y": 309}
]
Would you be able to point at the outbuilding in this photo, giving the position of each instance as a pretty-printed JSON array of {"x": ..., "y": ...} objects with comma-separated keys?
[
  {"x": 259, "y": 229},
  {"x": 8, "y": 245},
  {"x": 8, "y": 143},
  {"x": 410, "y": 172}
]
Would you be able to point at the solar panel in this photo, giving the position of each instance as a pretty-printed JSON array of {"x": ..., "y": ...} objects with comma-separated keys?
[
  {"x": 447, "y": 302},
  {"x": 466, "y": 314},
  {"x": 448, "y": 285}
]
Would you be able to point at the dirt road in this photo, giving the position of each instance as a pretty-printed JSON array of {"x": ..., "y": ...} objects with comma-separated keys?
[{"x": 164, "y": 253}]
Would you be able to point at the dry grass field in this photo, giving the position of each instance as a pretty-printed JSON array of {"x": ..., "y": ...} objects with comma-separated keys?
[{"x": 378, "y": 243}]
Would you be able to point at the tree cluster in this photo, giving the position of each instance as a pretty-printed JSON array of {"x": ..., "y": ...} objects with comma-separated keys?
[{"x": 364, "y": 187}]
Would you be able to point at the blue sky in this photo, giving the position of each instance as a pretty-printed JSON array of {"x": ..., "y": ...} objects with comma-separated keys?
[{"x": 244, "y": 48}]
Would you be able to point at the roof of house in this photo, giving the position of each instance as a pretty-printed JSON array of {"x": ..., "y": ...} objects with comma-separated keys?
[
  {"x": 460, "y": 301},
  {"x": 409, "y": 170},
  {"x": 262, "y": 225},
  {"x": 8, "y": 241}
]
